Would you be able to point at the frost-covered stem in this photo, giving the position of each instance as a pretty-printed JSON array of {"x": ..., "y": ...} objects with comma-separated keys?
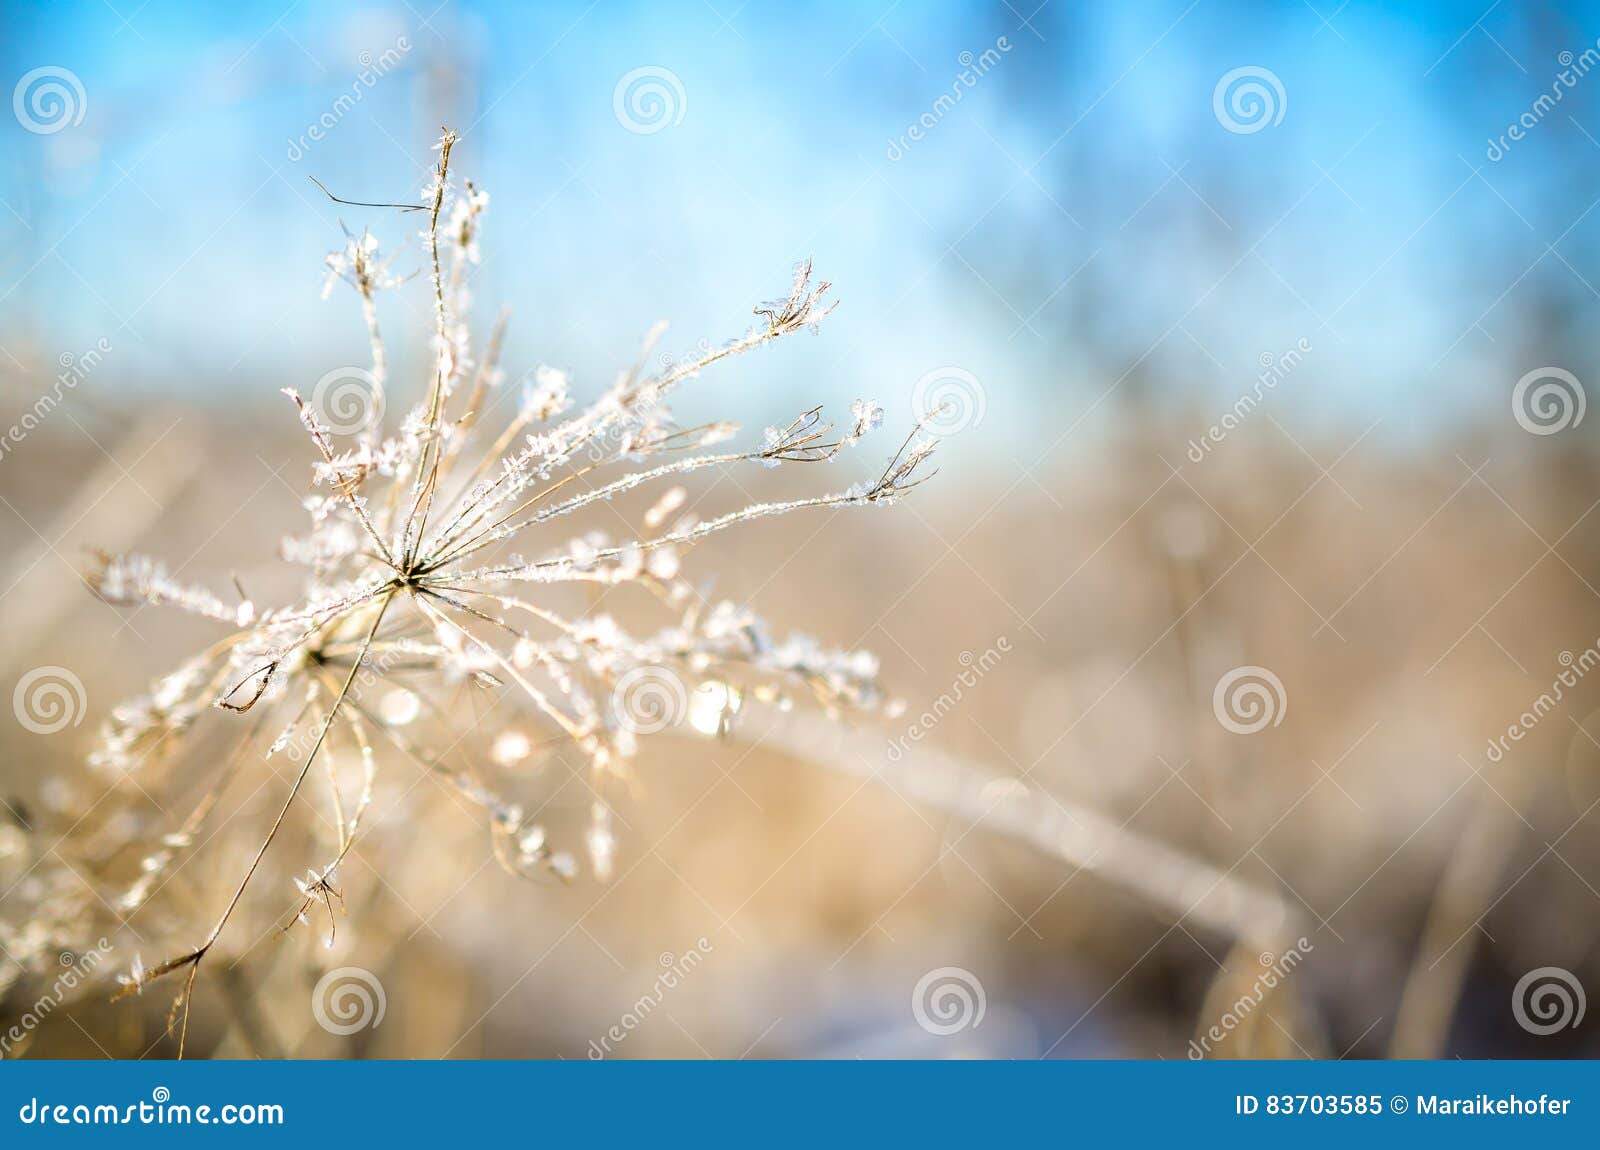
[
  {"x": 327, "y": 723},
  {"x": 197, "y": 816},
  {"x": 319, "y": 437},
  {"x": 426, "y": 477},
  {"x": 565, "y": 626},
  {"x": 539, "y": 698},
  {"x": 348, "y": 827},
  {"x": 193, "y": 959},
  {"x": 480, "y": 386},
  {"x": 447, "y": 551},
  {"x": 629, "y": 482},
  {"x": 460, "y": 534},
  {"x": 486, "y": 501},
  {"x": 380, "y": 367},
  {"x": 688, "y": 535}
]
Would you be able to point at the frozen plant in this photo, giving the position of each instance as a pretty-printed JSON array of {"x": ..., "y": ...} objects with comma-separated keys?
[{"x": 416, "y": 585}]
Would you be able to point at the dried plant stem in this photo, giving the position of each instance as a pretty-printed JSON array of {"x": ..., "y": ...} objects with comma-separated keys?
[
  {"x": 432, "y": 450},
  {"x": 1433, "y": 986},
  {"x": 193, "y": 959},
  {"x": 371, "y": 541},
  {"x": 1069, "y": 831},
  {"x": 540, "y": 699}
]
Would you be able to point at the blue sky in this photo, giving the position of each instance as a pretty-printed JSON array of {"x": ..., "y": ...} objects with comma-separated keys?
[{"x": 1079, "y": 230}]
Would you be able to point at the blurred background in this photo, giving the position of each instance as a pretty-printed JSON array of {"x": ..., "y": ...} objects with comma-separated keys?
[{"x": 1264, "y": 509}]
